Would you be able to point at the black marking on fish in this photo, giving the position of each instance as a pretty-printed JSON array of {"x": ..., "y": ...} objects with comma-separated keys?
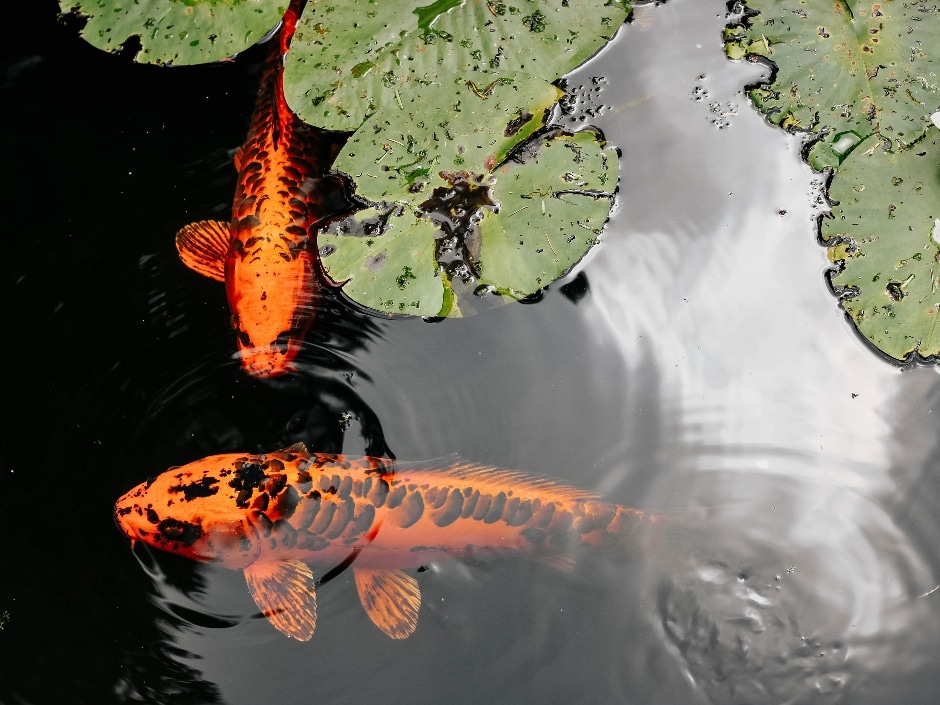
[
  {"x": 534, "y": 536},
  {"x": 362, "y": 522},
  {"x": 325, "y": 515},
  {"x": 543, "y": 517},
  {"x": 412, "y": 507},
  {"x": 379, "y": 492},
  {"x": 496, "y": 510},
  {"x": 275, "y": 483},
  {"x": 200, "y": 488},
  {"x": 248, "y": 477},
  {"x": 342, "y": 515},
  {"x": 311, "y": 542},
  {"x": 520, "y": 513},
  {"x": 309, "y": 506},
  {"x": 450, "y": 509},
  {"x": 470, "y": 502},
  {"x": 286, "y": 503},
  {"x": 396, "y": 496},
  {"x": 287, "y": 534},
  {"x": 483, "y": 506},
  {"x": 183, "y": 532},
  {"x": 264, "y": 524}
]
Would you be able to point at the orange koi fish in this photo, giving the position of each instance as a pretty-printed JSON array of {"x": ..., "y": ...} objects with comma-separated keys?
[
  {"x": 265, "y": 255},
  {"x": 271, "y": 515}
]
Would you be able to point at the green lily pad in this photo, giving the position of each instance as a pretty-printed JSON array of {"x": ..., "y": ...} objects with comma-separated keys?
[
  {"x": 487, "y": 217},
  {"x": 384, "y": 257},
  {"x": 846, "y": 69},
  {"x": 884, "y": 234},
  {"x": 406, "y": 146},
  {"x": 552, "y": 210},
  {"x": 177, "y": 31},
  {"x": 350, "y": 58}
]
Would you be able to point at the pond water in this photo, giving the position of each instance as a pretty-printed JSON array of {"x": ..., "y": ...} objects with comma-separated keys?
[{"x": 696, "y": 363}]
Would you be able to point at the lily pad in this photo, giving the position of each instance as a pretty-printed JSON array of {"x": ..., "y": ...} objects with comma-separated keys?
[
  {"x": 350, "y": 58},
  {"x": 177, "y": 31},
  {"x": 552, "y": 210},
  {"x": 845, "y": 69},
  {"x": 384, "y": 257},
  {"x": 884, "y": 234},
  {"x": 459, "y": 126},
  {"x": 485, "y": 217}
]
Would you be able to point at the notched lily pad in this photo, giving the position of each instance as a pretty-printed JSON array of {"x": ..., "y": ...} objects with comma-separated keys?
[
  {"x": 490, "y": 212},
  {"x": 884, "y": 233},
  {"x": 177, "y": 31},
  {"x": 553, "y": 207},
  {"x": 350, "y": 58},
  {"x": 844, "y": 67},
  {"x": 384, "y": 258}
]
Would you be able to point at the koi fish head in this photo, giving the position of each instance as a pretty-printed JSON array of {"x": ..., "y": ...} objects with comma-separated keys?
[
  {"x": 196, "y": 511},
  {"x": 273, "y": 303}
]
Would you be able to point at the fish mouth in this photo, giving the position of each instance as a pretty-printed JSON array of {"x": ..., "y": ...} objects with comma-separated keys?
[{"x": 267, "y": 362}]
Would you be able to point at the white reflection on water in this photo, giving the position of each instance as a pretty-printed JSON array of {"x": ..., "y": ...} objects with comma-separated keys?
[{"x": 807, "y": 589}]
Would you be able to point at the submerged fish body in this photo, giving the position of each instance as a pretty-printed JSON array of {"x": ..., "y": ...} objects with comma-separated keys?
[
  {"x": 265, "y": 255},
  {"x": 271, "y": 515}
]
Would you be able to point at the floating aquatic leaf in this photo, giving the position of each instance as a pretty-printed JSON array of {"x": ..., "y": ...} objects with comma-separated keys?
[
  {"x": 177, "y": 31},
  {"x": 385, "y": 258},
  {"x": 350, "y": 58},
  {"x": 457, "y": 126},
  {"x": 884, "y": 233},
  {"x": 845, "y": 69},
  {"x": 448, "y": 193},
  {"x": 552, "y": 210}
]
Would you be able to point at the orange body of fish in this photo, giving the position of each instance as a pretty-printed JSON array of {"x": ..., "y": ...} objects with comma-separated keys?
[
  {"x": 266, "y": 255},
  {"x": 274, "y": 515}
]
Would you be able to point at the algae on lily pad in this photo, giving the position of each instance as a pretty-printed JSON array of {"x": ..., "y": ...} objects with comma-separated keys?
[
  {"x": 351, "y": 57},
  {"x": 845, "y": 69},
  {"x": 885, "y": 234},
  {"x": 455, "y": 211},
  {"x": 177, "y": 31}
]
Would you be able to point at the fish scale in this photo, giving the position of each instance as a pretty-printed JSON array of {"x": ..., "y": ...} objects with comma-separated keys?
[{"x": 271, "y": 515}]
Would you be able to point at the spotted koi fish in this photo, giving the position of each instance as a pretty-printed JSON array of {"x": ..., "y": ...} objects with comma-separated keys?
[
  {"x": 265, "y": 255},
  {"x": 272, "y": 515}
]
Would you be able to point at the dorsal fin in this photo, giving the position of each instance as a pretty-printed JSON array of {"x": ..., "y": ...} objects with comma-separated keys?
[
  {"x": 298, "y": 447},
  {"x": 487, "y": 478},
  {"x": 391, "y": 598},
  {"x": 203, "y": 247},
  {"x": 284, "y": 592}
]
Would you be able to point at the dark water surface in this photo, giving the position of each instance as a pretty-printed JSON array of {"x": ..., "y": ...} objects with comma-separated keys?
[{"x": 696, "y": 362}]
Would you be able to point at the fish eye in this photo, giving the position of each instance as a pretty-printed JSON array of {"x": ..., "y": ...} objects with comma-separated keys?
[{"x": 243, "y": 338}]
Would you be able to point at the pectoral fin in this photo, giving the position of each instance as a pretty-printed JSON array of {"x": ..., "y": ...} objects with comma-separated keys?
[
  {"x": 203, "y": 247},
  {"x": 391, "y": 598},
  {"x": 284, "y": 592}
]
